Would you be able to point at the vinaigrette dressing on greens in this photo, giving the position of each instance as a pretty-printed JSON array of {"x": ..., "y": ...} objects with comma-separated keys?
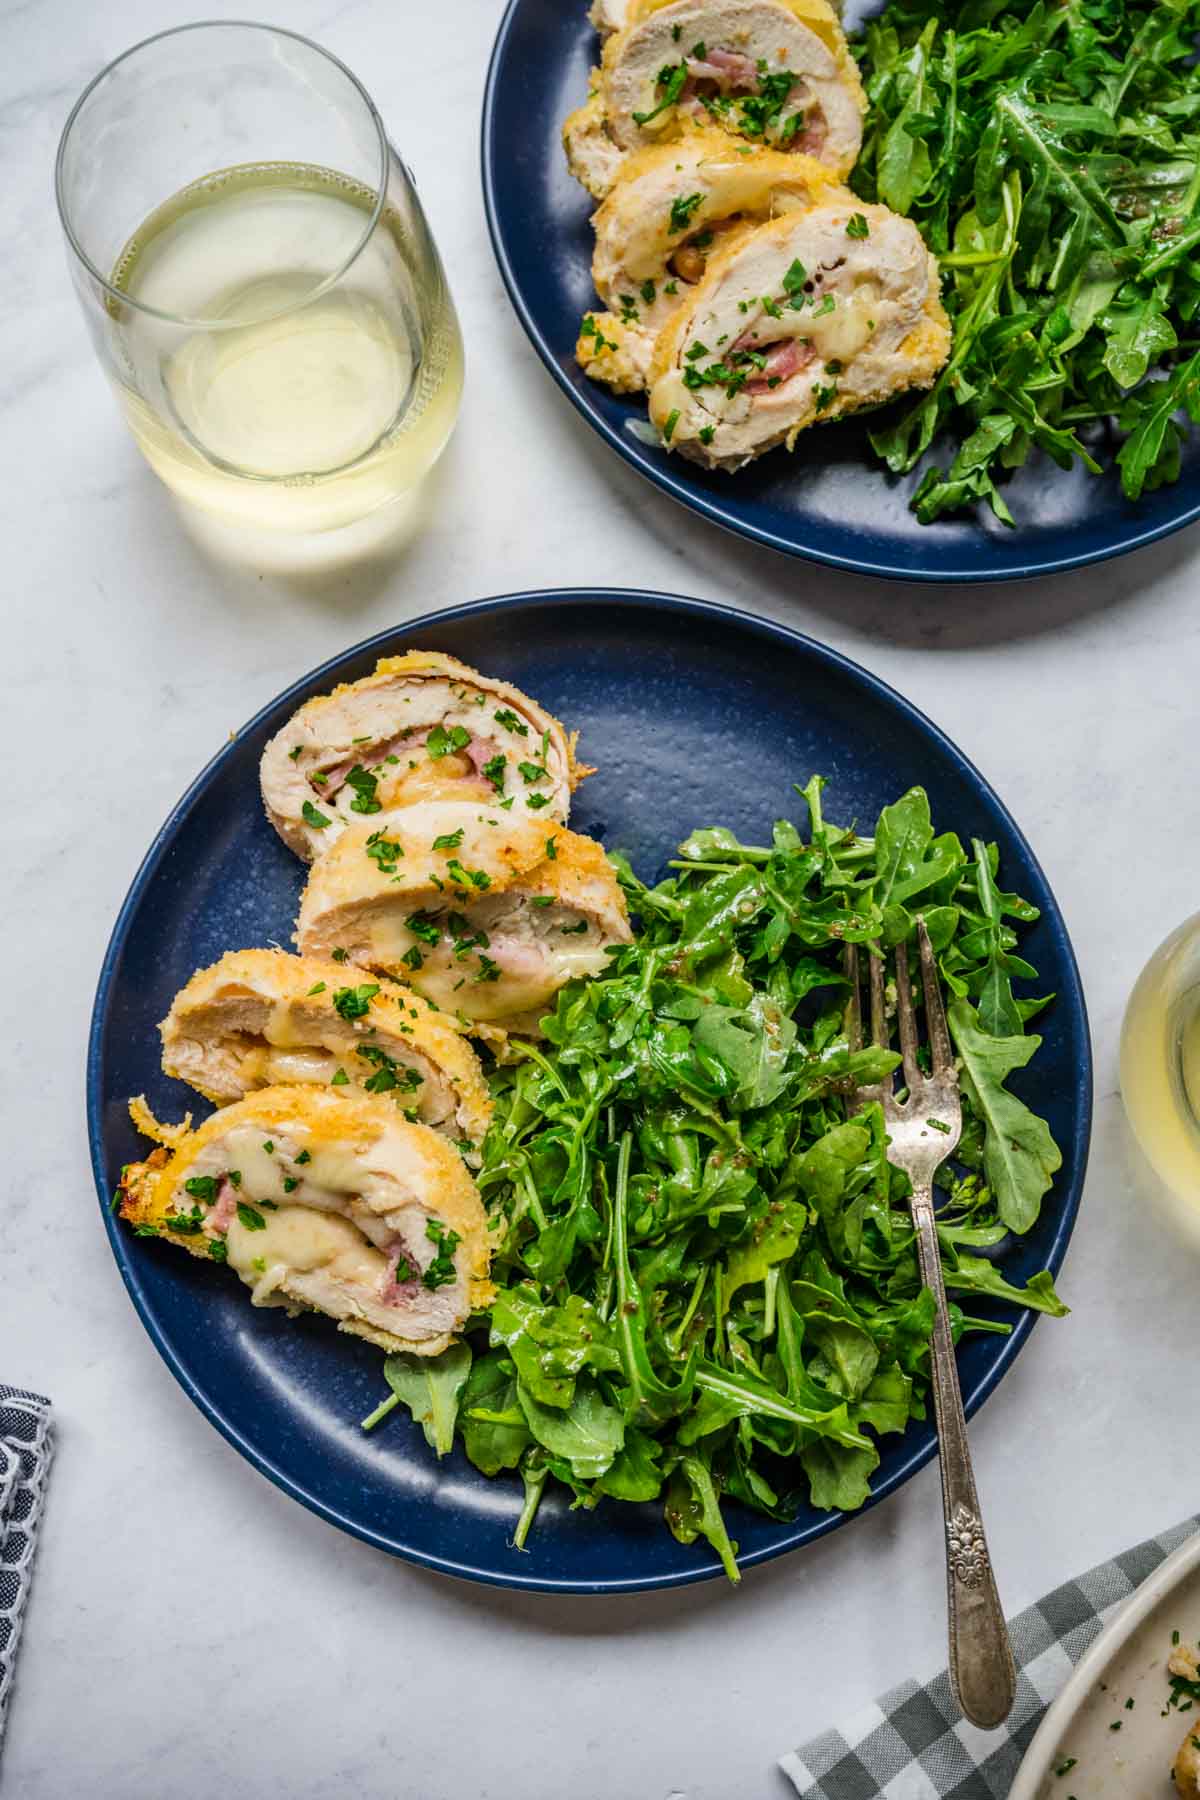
[{"x": 708, "y": 1286}]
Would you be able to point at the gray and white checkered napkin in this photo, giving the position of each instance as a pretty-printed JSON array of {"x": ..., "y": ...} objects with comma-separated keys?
[
  {"x": 914, "y": 1744},
  {"x": 25, "y": 1450}
]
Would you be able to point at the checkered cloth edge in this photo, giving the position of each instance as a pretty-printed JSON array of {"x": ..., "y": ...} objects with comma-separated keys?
[
  {"x": 25, "y": 1450},
  {"x": 914, "y": 1744}
]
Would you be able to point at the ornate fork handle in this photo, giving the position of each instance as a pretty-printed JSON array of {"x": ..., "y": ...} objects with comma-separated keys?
[{"x": 981, "y": 1662}]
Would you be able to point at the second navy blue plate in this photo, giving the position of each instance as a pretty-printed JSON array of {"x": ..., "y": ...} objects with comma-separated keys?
[
  {"x": 694, "y": 715},
  {"x": 830, "y": 500}
]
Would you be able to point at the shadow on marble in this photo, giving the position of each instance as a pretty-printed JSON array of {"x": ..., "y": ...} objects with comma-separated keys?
[
  {"x": 908, "y": 615},
  {"x": 341, "y": 571}
]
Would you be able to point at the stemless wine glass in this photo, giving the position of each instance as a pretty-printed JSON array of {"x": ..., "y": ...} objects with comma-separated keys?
[
  {"x": 1160, "y": 1062},
  {"x": 258, "y": 277}
]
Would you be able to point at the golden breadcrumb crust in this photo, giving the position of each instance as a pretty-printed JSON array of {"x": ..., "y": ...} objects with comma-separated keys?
[
  {"x": 148, "y": 1189},
  {"x": 280, "y": 978}
]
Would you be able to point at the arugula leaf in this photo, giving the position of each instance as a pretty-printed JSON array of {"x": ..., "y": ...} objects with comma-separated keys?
[
  {"x": 431, "y": 1387},
  {"x": 1020, "y": 1157}
]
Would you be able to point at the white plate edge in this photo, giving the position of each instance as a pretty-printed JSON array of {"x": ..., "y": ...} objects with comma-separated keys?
[{"x": 1045, "y": 1742}]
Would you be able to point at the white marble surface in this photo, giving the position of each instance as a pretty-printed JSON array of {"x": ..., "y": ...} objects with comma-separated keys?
[{"x": 194, "y": 1632}]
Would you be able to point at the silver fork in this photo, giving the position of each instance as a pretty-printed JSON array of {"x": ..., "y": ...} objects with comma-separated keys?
[{"x": 923, "y": 1130}]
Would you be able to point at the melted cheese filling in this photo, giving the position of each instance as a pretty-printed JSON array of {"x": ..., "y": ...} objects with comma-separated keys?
[
  {"x": 296, "y": 1240},
  {"x": 730, "y": 189}
]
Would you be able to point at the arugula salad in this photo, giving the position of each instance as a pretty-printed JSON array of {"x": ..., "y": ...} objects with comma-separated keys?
[
  {"x": 707, "y": 1283},
  {"x": 1050, "y": 155}
]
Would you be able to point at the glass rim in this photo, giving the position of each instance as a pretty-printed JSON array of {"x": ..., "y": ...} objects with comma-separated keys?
[{"x": 120, "y": 295}]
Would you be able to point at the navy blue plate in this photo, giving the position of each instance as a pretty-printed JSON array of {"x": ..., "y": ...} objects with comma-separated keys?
[
  {"x": 695, "y": 714},
  {"x": 830, "y": 500}
]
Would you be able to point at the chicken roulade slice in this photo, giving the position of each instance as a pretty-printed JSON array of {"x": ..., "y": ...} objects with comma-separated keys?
[
  {"x": 338, "y": 1206},
  {"x": 775, "y": 74},
  {"x": 614, "y": 15},
  {"x": 811, "y": 317},
  {"x": 673, "y": 206},
  {"x": 422, "y": 727},
  {"x": 486, "y": 914},
  {"x": 263, "y": 1018}
]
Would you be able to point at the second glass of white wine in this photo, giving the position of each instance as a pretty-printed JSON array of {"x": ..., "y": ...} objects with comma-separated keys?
[
  {"x": 258, "y": 276},
  {"x": 1160, "y": 1064}
]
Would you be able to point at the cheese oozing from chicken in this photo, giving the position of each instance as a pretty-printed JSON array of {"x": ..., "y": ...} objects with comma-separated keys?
[
  {"x": 812, "y": 316},
  {"x": 330, "y": 1203}
]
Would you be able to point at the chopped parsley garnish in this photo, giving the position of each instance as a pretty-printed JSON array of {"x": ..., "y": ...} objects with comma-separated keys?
[
  {"x": 384, "y": 852},
  {"x": 1065, "y": 1767},
  {"x": 425, "y": 927},
  {"x": 389, "y": 1074},
  {"x": 535, "y": 802},
  {"x": 857, "y": 227},
  {"x": 629, "y": 312},
  {"x": 185, "y": 1224},
  {"x": 450, "y": 840},
  {"x": 404, "y": 1271},
  {"x": 311, "y": 816},
  {"x": 552, "y": 849},
  {"x": 770, "y": 308},
  {"x": 508, "y": 718},
  {"x": 412, "y": 958},
  {"x": 542, "y": 900},
  {"x": 670, "y": 82},
  {"x": 441, "y": 1270},
  {"x": 828, "y": 304},
  {"x": 318, "y": 987},
  {"x": 353, "y": 1002},
  {"x": 590, "y": 328},
  {"x": 218, "y": 1249},
  {"x": 648, "y": 292},
  {"x": 574, "y": 930},
  {"x": 823, "y": 396},
  {"x": 794, "y": 280},
  {"x": 473, "y": 877},
  {"x": 707, "y": 433},
  {"x": 269, "y": 1147},
  {"x": 295, "y": 751},
  {"x": 488, "y": 970},
  {"x": 672, "y": 287},
  {"x": 364, "y": 785},
  {"x": 249, "y": 1217},
  {"x": 700, "y": 51},
  {"x": 202, "y": 1187},
  {"x": 441, "y": 742},
  {"x": 146, "y": 1231},
  {"x": 758, "y": 113},
  {"x": 290, "y": 1183},
  {"x": 304, "y": 1156},
  {"x": 339, "y": 1078},
  {"x": 494, "y": 769},
  {"x": 532, "y": 772},
  {"x": 695, "y": 351},
  {"x": 339, "y": 955},
  {"x": 682, "y": 208}
]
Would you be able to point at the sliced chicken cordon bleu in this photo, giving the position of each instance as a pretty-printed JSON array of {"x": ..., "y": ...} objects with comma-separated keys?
[
  {"x": 673, "y": 207},
  {"x": 813, "y": 316},
  {"x": 422, "y": 727},
  {"x": 775, "y": 74},
  {"x": 487, "y": 914},
  {"x": 338, "y": 1206},
  {"x": 263, "y": 1018}
]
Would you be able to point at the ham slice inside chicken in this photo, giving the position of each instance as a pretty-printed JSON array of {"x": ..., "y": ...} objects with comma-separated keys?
[
  {"x": 784, "y": 359},
  {"x": 728, "y": 68}
]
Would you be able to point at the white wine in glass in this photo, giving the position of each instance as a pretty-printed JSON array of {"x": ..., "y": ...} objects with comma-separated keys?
[
  {"x": 1160, "y": 1061},
  {"x": 279, "y": 331}
]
